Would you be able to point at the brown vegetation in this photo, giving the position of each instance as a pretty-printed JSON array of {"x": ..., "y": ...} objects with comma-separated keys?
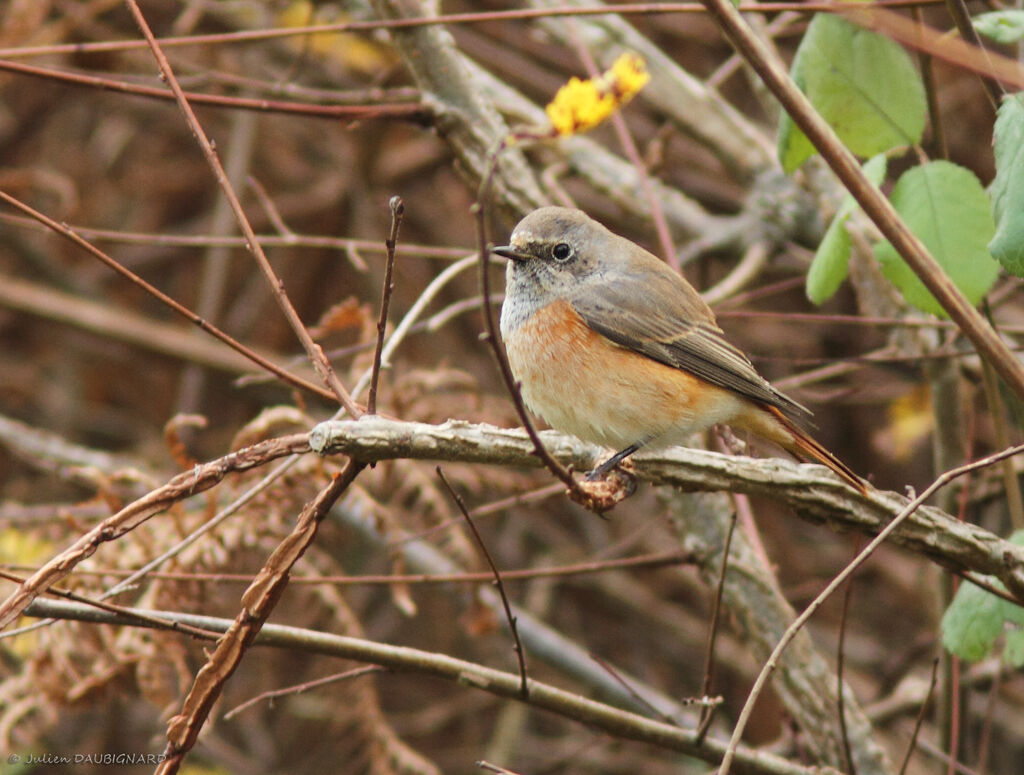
[{"x": 127, "y": 432}]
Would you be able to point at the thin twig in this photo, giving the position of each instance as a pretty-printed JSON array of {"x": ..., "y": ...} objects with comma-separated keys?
[
  {"x": 920, "y": 717},
  {"x": 841, "y": 577},
  {"x": 840, "y": 665},
  {"x": 629, "y": 148},
  {"x": 274, "y": 215},
  {"x": 937, "y": 148},
  {"x": 415, "y": 311},
  {"x": 560, "y": 471},
  {"x": 595, "y": 496},
  {"x": 708, "y": 711},
  {"x": 704, "y": 700},
  {"x": 965, "y": 26},
  {"x": 163, "y": 298},
  {"x": 397, "y": 211},
  {"x": 956, "y": 729},
  {"x": 313, "y": 350},
  {"x": 642, "y": 562},
  {"x": 517, "y": 645},
  {"x": 250, "y": 36},
  {"x": 290, "y": 239},
  {"x": 996, "y": 407},
  {"x": 628, "y": 688},
  {"x": 302, "y": 687},
  {"x": 404, "y": 111},
  {"x": 138, "y": 616},
  {"x": 985, "y": 735}
]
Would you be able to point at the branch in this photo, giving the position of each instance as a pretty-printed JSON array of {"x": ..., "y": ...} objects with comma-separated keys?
[
  {"x": 811, "y": 490},
  {"x": 844, "y": 164},
  {"x": 469, "y": 124},
  {"x": 403, "y": 111},
  {"x": 499, "y": 683}
]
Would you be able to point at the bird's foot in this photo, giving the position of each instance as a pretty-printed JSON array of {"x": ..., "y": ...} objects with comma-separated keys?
[{"x": 601, "y": 490}]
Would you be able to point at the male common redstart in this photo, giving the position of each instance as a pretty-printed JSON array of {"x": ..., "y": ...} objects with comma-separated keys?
[{"x": 617, "y": 349}]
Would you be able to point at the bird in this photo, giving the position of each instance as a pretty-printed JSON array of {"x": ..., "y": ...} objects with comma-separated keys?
[{"x": 611, "y": 345}]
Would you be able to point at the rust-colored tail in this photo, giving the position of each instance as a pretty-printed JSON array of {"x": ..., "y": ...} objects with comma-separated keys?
[{"x": 801, "y": 443}]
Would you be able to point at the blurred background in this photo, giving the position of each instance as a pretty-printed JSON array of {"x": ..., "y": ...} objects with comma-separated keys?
[{"x": 105, "y": 394}]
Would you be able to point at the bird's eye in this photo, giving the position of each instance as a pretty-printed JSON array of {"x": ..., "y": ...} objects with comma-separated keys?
[{"x": 562, "y": 251}]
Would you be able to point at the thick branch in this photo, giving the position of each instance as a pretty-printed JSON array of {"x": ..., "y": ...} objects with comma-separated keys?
[
  {"x": 811, "y": 490},
  {"x": 470, "y": 125}
]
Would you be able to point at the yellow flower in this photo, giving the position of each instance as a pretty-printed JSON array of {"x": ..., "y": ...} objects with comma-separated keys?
[{"x": 582, "y": 105}]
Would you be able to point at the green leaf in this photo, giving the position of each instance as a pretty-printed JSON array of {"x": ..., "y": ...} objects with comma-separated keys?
[
  {"x": 1001, "y": 26},
  {"x": 976, "y": 618},
  {"x": 1008, "y": 187},
  {"x": 1013, "y": 654},
  {"x": 863, "y": 84},
  {"x": 972, "y": 623},
  {"x": 832, "y": 259},
  {"x": 946, "y": 207}
]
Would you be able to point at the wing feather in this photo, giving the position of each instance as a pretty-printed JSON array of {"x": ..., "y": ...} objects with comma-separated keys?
[{"x": 671, "y": 324}]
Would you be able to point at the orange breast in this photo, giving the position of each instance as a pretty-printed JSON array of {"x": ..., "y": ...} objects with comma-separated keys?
[{"x": 582, "y": 383}]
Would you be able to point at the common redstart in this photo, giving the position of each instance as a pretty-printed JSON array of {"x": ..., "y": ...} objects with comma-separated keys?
[{"x": 617, "y": 349}]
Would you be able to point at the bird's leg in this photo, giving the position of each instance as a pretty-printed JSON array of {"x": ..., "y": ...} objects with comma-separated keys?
[{"x": 610, "y": 463}]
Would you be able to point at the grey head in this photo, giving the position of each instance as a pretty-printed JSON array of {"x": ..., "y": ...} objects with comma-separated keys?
[
  {"x": 563, "y": 253},
  {"x": 554, "y": 247}
]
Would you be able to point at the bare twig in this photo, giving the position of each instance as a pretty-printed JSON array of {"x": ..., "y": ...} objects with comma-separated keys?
[
  {"x": 642, "y": 562},
  {"x": 162, "y": 297},
  {"x": 289, "y": 239},
  {"x": 596, "y": 496},
  {"x": 403, "y": 111},
  {"x": 313, "y": 350},
  {"x": 517, "y": 645},
  {"x": 920, "y": 717},
  {"x": 740, "y": 276},
  {"x": 486, "y": 765},
  {"x": 996, "y": 407},
  {"x": 138, "y": 616},
  {"x": 708, "y": 711},
  {"x": 250, "y": 36},
  {"x": 415, "y": 311},
  {"x": 985, "y": 735},
  {"x": 302, "y": 687},
  {"x": 628, "y": 145},
  {"x": 840, "y": 691},
  {"x": 491, "y": 335},
  {"x": 962, "y": 18},
  {"x": 841, "y": 577},
  {"x": 937, "y": 146},
  {"x": 704, "y": 701},
  {"x": 397, "y": 211}
]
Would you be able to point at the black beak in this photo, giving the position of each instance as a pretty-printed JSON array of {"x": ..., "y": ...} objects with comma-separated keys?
[{"x": 510, "y": 252}]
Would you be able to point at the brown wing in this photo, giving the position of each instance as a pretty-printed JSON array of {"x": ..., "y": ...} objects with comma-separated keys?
[{"x": 669, "y": 322}]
